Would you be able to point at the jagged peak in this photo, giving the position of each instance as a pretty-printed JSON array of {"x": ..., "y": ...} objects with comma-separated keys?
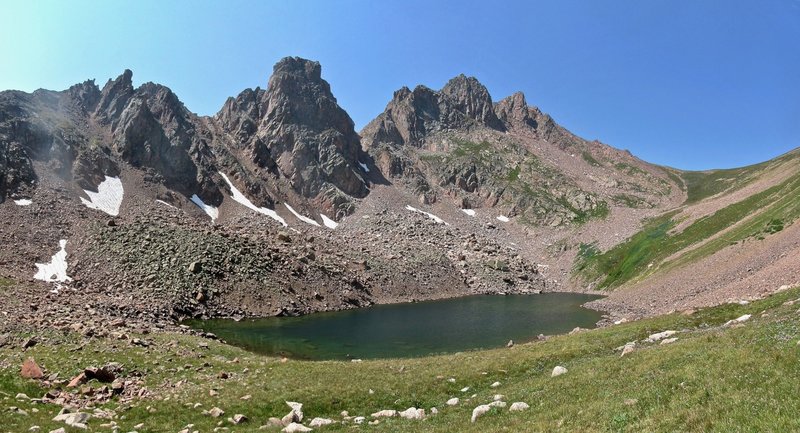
[{"x": 298, "y": 66}]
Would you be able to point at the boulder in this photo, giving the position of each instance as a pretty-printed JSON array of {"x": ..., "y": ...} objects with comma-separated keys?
[
  {"x": 413, "y": 413},
  {"x": 518, "y": 406},
  {"x": 319, "y": 422},
  {"x": 386, "y": 413},
  {"x": 660, "y": 336},
  {"x": 453, "y": 401},
  {"x": 31, "y": 370},
  {"x": 480, "y": 411},
  {"x": 558, "y": 371},
  {"x": 296, "y": 428}
]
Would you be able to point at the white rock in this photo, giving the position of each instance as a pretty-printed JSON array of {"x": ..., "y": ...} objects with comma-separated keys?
[
  {"x": 465, "y": 389},
  {"x": 660, "y": 336},
  {"x": 296, "y": 428},
  {"x": 740, "y": 319},
  {"x": 58, "y": 430},
  {"x": 497, "y": 404},
  {"x": 386, "y": 413},
  {"x": 359, "y": 420},
  {"x": 558, "y": 371},
  {"x": 480, "y": 411},
  {"x": 498, "y": 397},
  {"x": 628, "y": 348},
  {"x": 453, "y": 401},
  {"x": 495, "y": 385},
  {"x": 319, "y": 422},
  {"x": 434, "y": 411},
  {"x": 669, "y": 340},
  {"x": 518, "y": 406},
  {"x": 413, "y": 413},
  {"x": 297, "y": 410},
  {"x": 77, "y": 420},
  {"x": 452, "y": 380}
]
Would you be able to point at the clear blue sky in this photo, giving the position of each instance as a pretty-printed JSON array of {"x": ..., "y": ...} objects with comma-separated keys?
[{"x": 693, "y": 84}]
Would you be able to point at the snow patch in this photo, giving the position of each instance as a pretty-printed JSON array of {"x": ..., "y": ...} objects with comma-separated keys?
[
  {"x": 430, "y": 215},
  {"x": 108, "y": 197},
  {"x": 303, "y": 218},
  {"x": 503, "y": 218},
  {"x": 212, "y": 211},
  {"x": 364, "y": 167},
  {"x": 329, "y": 223},
  {"x": 165, "y": 203},
  {"x": 241, "y": 199},
  {"x": 470, "y": 212},
  {"x": 23, "y": 202},
  {"x": 56, "y": 270}
]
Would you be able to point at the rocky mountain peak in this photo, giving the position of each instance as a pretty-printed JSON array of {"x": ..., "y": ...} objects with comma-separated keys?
[
  {"x": 514, "y": 112},
  {"x": 114, "y": 97},
  {"x": 303, "y": 68},
  {"x": 468, "y": 96}
]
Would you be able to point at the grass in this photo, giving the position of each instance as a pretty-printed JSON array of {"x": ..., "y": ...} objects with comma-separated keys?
[
  {"x": 711, "y": 379},
  {"x": 590, "y": 159},
  {"x": 5, "y": 282},
  {"x": 755, "y": 217}
]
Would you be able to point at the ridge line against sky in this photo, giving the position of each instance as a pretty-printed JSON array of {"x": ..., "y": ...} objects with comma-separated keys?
[{"x": 693, "y": 85}]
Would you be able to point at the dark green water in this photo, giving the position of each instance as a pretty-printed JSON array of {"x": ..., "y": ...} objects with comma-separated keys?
[{"x": 409, "y": 330}]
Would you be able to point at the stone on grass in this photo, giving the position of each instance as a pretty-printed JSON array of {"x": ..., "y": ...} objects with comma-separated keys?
[
  {"x": 31, "y": 370},
  {"x": 216, "y": 412},
  {"x": 58, "y": 430},
  {"x": 740, "y": 319},
  {"x": 660, "y": 336},
  {"x": 497, "y": 403},
  {"x": 76, "y": 420},
  {"x": 629, "y": 348},
  {"x": 359, "y": 420},
  {"x": 498, "y": 397},
  {"x": 669, "y": 340},
  {"x": 558, "y": 371},
  {"x": 319, "y": 422},
  {"x": 412, "y": 413},
  {"x": 297, "y": 409},
  {"x": 480, "y": 411},
  {"x": 386, "y": 413},
  {"x": 453, "y": 401},
  {"x": 295, "y": 428},
  {"x": 495, "y": 385},
  {"x": 239, "y": 418},
  {"x": 518, "y": 406}
]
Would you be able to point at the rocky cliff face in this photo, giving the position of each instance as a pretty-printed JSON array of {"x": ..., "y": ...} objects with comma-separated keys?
[
  {"x": 457, "y": 144},
  {"x": 291, "y": 142}
]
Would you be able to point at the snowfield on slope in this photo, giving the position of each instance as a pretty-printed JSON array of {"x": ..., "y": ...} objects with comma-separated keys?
[
  {"x": 108, "y": 197},
  {"x": 329, "y": 223},
  {"x": 23, "y": 202},
  {"x": 470, "y": 212},
  {"x": 303, "y": 218},
  {"x": 56, "y": 270},
  {"x": 211, "y": 211},
  {"x": 430, "y": 215},
  {"x": 241, "y": 199}
]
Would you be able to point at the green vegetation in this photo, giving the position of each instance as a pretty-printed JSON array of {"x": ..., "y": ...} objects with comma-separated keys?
[
  {"x": 631, "y": 201},
  {"x": 586, "y": 252},
  {"x": 468, "y": 148},
  {"x": 704, "y": 184},
  {"x": 5, "y": 282},
  {"x": 629, "y": 169},
  {"x": 760, "y": 214},
  {"x": 590, "y": 159},
  {"x": 513, "y": 175},
  {"x": 712, "y": 379}
]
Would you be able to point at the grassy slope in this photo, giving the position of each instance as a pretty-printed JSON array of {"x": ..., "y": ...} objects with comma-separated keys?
[
  {"x": 774, "y": 208},
  {"x": 711, "y": 379}
]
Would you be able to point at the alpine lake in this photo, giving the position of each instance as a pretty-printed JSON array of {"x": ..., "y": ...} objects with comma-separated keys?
[{"x": 409, "y": 329}]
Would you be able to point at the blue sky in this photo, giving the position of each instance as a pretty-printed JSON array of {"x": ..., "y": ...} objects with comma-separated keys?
[{"x": 693, "y": 84}]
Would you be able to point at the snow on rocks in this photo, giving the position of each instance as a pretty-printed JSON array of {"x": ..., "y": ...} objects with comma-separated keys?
[
  {"x": 108, "y": 197},
  {"x": 296, "y": 428},
  {"x": 241, "y": 199},
  {"x": 320, "y": 422},
  {"x": 480, "y": 411},
  {"x": 453, "y": 401},
  {"x": 740, "y": 319},
  {"x": 412, "y": 413},
  {"x": 503, "y": 218},
  {"x": 165, "y": 203},
  {"x": 518, "y": 406},
  {"x": 56, "y": 270},
  {"x": 558, "y": 371},
  {"x": 470, "y": 212},
  {"x": 23, "y": 202},
  {"x": 363, "y": 167},
  {"x": 301, "y": 217},
  {"x": 329, "y": 223},
  {"x": 430, "y": 215},
  {"x": 211, "y": 211},
  {"x": 660, "y": 336}
]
